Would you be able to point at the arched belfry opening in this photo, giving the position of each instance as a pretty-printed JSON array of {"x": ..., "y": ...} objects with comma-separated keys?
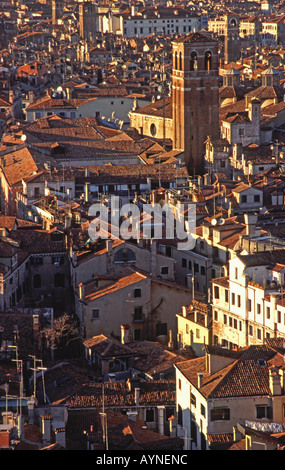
[
  {"x": 193, "y": 61},
  {"x": 208, "y": 61}
]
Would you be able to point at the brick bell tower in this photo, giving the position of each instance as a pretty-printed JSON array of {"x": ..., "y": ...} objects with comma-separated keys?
[{"x": 195, "y": 97}]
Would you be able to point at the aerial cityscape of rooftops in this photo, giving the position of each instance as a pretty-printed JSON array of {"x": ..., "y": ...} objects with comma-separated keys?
[{"x": 116, "y": 332}]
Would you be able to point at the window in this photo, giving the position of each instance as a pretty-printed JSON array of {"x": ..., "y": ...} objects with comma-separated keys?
[
  {"x": 250, "y": 330},
  {"x": 258, "y": 308},
  {"x": 238, "y": 300},
  {"x": 220, "y": 414},
  {"x": 137, "y": 293},
  {"x": 197, "y": 333},
  {"x": 37, "y": 281},
  {"x": 194, "y": 433},
  {"x": 203, "y": 271},
  {"x": 278, "y": 316},
  {"x": 236, "y": 273},
  {"x": 257, "y": 198},
  {"x": 95, "y": 313},
  {"x": 196, "y": 268},
  {"x": 161, "y": 329},
  {"x": 203, "y": 410},
  {"x": 263, "y": 411},
  {"x": 184, "y": 263},
  {"x": 215, "y": 315},
  {"x": 164, "y": 270},
  {"x": 216, "y": 292},
  {"x": 36, "y": 260},
  {"x": 243, "y": 199},
  {"x": 226, "y": 295},
  {"x": 225, "y": 319},
  {"x": 259, "y": 333},
  {"x": 249, "y": 305},
  {"x": 59, "y": 280},
  {"x": 149, "y": 416},
  {"x": 193, "y": 400},
  {"x": 153, "y": 129},
  {"x": 137, "y": 334},
  {"x": 268, "y": 313},
  {"x": 138, "y": 314},
  {"x": 57, "y": 260},
  {"x": 233, "y": 299}
]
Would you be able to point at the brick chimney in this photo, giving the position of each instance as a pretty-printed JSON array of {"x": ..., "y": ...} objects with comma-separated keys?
[
  {"x": 46, "y": 429},
  {"x": 60, "y": 436}
]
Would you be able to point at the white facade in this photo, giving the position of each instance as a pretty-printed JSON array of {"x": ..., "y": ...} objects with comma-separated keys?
[
  {"x": 109, "y": 108},
  {"x": 253, "y": 308},
  {"x": 142, "y": 26}
]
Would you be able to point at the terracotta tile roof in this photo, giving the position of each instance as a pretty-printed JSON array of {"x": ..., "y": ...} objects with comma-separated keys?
[
  {"x": 158, "y": 108},
  {"x": 123, "y": 433},
  {"x": 105, "y": 346},
  {"x": 92, "y": 292},
  {"x": 48, "y": 103},
  {"x": 18, "y": 165},
  {"x": 117, "y": 395},
  {"x": 244, "y": 377}
]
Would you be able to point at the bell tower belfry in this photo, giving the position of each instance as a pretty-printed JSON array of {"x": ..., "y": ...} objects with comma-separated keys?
[
  {"x": 232, "y": 39},
  {"x": 195, "y": 97}
]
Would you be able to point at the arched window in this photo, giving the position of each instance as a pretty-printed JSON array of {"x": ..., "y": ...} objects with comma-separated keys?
[
  {"x": 208, "y": 60},
  {"x": 175, "y": 61},
  {"x": 193, "y": 61},
  {"x": 180, "y": 60},
  {"x": 153, "y": 129}
]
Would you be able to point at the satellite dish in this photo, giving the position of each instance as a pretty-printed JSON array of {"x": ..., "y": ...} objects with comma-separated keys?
[
  {"x": 221, "y": 221},
  {"x": 23, "y": 137},
  {"x": 214, "y": 222}
]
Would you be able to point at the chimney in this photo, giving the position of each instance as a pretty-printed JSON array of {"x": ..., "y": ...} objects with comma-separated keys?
[
  {"x": 275, "y": 382},
  {"x": 161, "y": 410},
  {"x": 250, "y": 222},
  {"x": 170, "y": 342},
  {"x": 236, "y": 434},
  {"x": 125, "y": 334},
  {"x": 60, "y": 436},
  {"x": 109, "y": 244},
  {"x": 137, "y": 396},
  {"x": 184, "y": 311},
  {"x": 200, "y": 379},
  {"x": 86, "y": 196},
  {"x": 46, "y": 429},
  {"x": 172, "y": 426},
  {"x": 81, "y": 291},
  {"x": 31, "y": 409}
]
